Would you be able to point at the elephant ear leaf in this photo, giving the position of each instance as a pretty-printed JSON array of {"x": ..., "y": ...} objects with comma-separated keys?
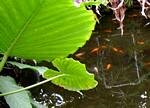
[
  {"x": 75, "y": 77},
  {"x": 43, "y": 29}
]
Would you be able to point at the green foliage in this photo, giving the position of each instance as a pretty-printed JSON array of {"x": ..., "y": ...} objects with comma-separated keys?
[
  {"x": 43, "y": 29},
  {"x": 18, "y": 100},
  {"x": 129, "y": 2},
  {"x": 35, "y": 29},
  {"x": 75, "y": 75}
]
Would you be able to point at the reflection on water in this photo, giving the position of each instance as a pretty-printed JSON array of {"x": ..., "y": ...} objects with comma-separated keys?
[
  {"x": 114, "y": 60},
  {"x": 118, "y": 61}
]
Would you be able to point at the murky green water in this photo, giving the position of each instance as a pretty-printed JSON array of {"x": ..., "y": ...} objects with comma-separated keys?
[{"x": 120, "y": 64}]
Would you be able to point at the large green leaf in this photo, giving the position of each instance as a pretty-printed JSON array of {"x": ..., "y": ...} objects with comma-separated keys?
[
  {"x": 75, "y": 75},
  {"x": 17, "y": 100},
  {"x": 43, "y": 29}
]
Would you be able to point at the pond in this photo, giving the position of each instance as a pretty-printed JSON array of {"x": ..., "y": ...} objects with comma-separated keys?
[{"x": 121, "y": 65}]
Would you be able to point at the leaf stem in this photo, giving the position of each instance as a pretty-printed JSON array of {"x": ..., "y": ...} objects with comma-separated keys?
[
  {"x": 32, "y": 86},
  {"x": 2, "y": 63}
]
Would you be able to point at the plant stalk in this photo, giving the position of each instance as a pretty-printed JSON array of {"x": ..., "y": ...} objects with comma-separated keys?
[
  {"x": 2, "y": 63},
  {"x": 32, "y": 86}
]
